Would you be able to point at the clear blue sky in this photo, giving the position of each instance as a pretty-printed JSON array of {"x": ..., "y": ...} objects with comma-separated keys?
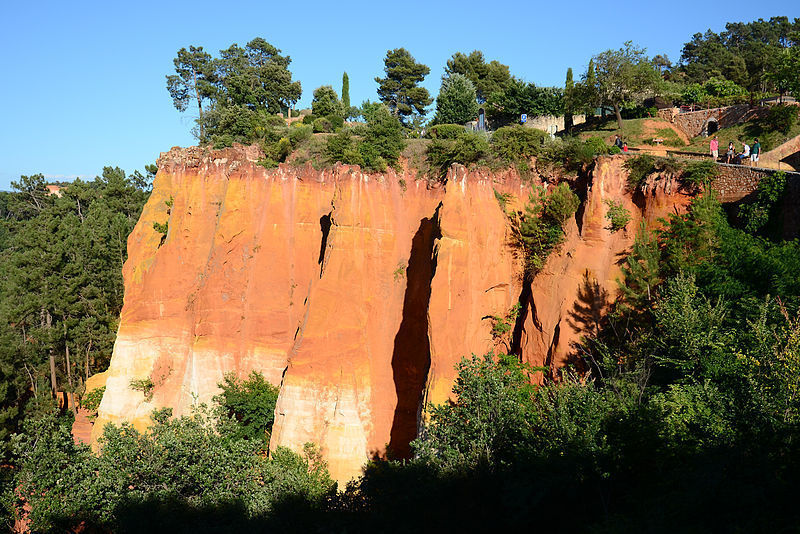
[{"x": 83, "y": 82}]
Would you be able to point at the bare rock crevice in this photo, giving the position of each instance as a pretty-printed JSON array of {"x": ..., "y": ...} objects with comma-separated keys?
[{"x": 411, "y": 357}]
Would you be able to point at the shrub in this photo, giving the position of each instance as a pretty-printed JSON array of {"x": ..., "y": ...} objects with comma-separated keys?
[
  {"x": 322, "y": 125},
  {"x": 145, "y": 385},
  {"x": 517, "y": 143},
  {"x": 274, "y": 121},
  {"x": 91, "y": 401},
  {"x": 540, "y": 229},
  {"x": 618, "y": 217},
  {"x": 446, "y": 131},
  {"x": 299, "y": 133},
  {"x": 614, "y": 150},
  {"x": 781, "y": 118},
  {"x": 336, "y": 121},
  {"x": 639, "y": 167},
  {"x": 468, "y": 148},
  {"x": 252, "y": 403},
  {"x": 700, "y": 173},
  {"x": 343, "y": 147},
  {"x": 326, "y": 102},
  {"x": 309, "y": 119}
]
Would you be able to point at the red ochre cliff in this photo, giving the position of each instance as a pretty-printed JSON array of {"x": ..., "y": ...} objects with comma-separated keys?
[{"x": 356, "y": 293}]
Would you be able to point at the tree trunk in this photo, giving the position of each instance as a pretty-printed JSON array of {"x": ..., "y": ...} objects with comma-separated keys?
[
  {"x": 618, "y": 114},
  {"x": 53, "y": 383},
  {"x": 71, "y": 393}
]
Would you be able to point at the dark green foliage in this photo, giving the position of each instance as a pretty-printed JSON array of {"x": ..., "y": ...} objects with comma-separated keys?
[
  {"x": 445, "y": 131},
  {"x": 252, "y": 403},
  {"x": 714, "y": 92},
  {"x": 195, "y": 466},
  {"x": 699, "y": 173},
  {"x": 245, "y": 87},
  {"x": 488, "y": 420},
  {"x": 744, "y": 53},
  {"x": 326, "y": 102},
  {"x": 781, "y": 118},
  {"x": 91, "y": 401},
  {"x": 456, "y": 102},
  {"x": 639, "y": 167},
  {"x": 622, "y": 77},
  {"x": 513, "y": 144},
  {"x": 770, "y": 190},
  {"x": 61, "y": 283},
  {"x": 379, "y": 144},
  {"x": 520, "y": 97},
  {"x": 466, "y": 149},
  {"x": 571, "y": 153},
  {"x": 641, "y": 272},
  {"x": 322, "y": 125},
  {"x": 540, "y": 228},
  {"x": 336, "y": 121},
  {"x": 400, "y": 89},
  {"x": 488, "y": 78},
  {"x": 618, "y": 217},
  {"x": 346, "y": 93}
]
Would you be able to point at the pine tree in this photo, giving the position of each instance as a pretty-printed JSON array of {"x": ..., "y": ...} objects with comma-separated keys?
[{"x": 400, "y": 89}]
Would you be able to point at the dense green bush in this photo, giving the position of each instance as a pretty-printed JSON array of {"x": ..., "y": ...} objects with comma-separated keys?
[
  {"x": 781, "y": 118},
  {"x": 91, "y": 401},
  {"x": 322, "y": 125},
  {"x": 252, "y": 403},
  {"x": 373, "y": 146},
  {"x": 517, "y": 143},
  {"x": 336, "y": 122},
  {"x": 309, "y": 119},
  {"x": 445, "y": 131},
  {"x": 466, "y": 149},
  {"x": 540, "y": 229},
  {"x": 189, "y": 474}
]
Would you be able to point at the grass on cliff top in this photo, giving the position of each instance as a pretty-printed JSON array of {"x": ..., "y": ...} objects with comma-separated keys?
[
  {"x": 606, "y": 130},
  {"x": 747, "y": 131}
]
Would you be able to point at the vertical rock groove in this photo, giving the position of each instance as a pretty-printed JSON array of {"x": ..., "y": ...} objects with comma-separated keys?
[{"x": 411, "y": 358}]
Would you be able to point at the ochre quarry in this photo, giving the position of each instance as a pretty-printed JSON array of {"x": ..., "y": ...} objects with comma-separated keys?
[{"x": 356, "y": 293}]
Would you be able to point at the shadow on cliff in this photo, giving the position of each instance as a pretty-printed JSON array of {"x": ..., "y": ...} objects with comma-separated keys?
[{"x": 411, "y": 358}]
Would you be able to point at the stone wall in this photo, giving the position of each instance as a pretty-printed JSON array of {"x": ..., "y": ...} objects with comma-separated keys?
[
  {"x": 548, "y": 123},
  {"x": 735, "y": 182},
  {"x": 694, "y": 123}
]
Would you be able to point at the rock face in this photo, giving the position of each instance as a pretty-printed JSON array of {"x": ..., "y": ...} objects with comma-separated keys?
[{"x": 356, "y": 293}]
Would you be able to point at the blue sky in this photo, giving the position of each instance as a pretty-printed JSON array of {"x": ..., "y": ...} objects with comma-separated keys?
[{"x": 83, "y": 82}]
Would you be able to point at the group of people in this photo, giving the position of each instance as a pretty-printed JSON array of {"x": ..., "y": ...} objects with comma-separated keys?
[{"x": 732, "y": 155}]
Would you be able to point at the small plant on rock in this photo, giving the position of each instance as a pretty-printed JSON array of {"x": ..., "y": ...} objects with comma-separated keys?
[{"x": 618, "y": 216}]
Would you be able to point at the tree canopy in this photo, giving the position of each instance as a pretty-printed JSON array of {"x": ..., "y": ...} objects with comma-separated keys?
[
  {"x": 622, "y": 76},
  {"x": 400, "y": 89},
  {"x": 488, "y": 78},
  {"x": 456, "y": 103}
]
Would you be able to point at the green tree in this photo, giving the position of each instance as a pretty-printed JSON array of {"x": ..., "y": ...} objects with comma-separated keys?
[
  {"x": 783, "y": 74},
  {"x": 521, "y": 97},
  {"x": 456, "y": 102},
  {"x": 623, "y": 76},
  {"x": 346, "y": 93},
  {"x": 194, "y": 79},
  {"x": 488, "y": 78},
  {"x": 252, "y": 403},
  {"x": 569, "y": 100},
  {"x": 326, "y": 102},
  {"x": 400, "y": 89}
]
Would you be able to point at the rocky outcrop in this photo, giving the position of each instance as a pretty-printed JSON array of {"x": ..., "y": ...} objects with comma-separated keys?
[{"x": 356, "y": 293}]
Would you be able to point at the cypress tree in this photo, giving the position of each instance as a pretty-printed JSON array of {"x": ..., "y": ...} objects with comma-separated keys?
[
  {"x": 568, "y": 101},
  {"x": 346, "y": 93}
]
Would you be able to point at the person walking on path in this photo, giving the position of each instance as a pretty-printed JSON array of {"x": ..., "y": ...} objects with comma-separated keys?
[
  {"x": 714, "y": 146},
  {"x": 755, "y": 151},
  {"x": 730, "y": 153}
]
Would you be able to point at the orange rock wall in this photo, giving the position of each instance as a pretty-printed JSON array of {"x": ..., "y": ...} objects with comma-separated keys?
[{"x": 356, "y": 293}]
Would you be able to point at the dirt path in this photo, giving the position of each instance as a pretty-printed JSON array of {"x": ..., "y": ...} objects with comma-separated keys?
[{"x": 650, "y": 126}]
